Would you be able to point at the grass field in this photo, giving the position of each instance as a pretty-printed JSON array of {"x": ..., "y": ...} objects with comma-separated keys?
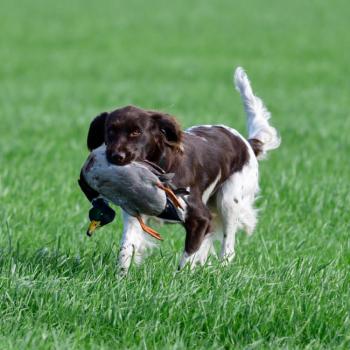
[{"x": 62, "y": 63}]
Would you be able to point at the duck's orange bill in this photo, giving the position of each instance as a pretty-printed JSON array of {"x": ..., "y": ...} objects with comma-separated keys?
[
  {"x": 93, "y": 226},
  {"x": 149, "y": 230},
  {"x": 171, "y": 195}
]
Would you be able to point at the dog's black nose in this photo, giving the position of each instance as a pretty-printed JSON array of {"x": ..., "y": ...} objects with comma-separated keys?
[{"x": 118, "y": 157}]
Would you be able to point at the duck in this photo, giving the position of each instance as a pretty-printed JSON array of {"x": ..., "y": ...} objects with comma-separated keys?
[{"x": 140, "y": 188}]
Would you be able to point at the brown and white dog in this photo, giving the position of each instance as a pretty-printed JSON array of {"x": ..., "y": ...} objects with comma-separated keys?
[{"x": 217, "y": 165}]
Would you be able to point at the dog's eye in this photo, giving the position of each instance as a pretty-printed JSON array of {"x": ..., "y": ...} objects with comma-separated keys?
[{"x": 135, "y": 133}]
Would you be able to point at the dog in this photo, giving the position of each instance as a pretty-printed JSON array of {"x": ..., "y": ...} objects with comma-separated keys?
[{"x": 215, "y": 163}]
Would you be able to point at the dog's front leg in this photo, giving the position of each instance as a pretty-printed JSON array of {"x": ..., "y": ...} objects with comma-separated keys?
[
  {"x": 132, "y": 244},
  {"x": 197, "y": 225}
]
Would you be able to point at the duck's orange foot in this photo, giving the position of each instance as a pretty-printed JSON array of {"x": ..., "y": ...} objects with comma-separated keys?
[
  {"x": 171, "y": 195},
  {"x": 149, "y": 230}
]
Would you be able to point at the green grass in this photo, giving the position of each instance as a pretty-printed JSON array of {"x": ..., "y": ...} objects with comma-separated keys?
[{"x": 63, "y": 63}]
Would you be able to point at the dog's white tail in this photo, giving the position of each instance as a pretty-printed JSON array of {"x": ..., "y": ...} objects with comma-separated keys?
[{"x": 262, "y": 136}]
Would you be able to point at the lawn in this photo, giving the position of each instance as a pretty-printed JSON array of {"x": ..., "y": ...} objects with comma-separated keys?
[{"x": 62, "y": 63}]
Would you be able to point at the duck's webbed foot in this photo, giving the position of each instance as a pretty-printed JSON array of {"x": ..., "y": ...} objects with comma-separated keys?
[
  {"x": 148, "y": 229},
  {"x": 170, "y": 194}
]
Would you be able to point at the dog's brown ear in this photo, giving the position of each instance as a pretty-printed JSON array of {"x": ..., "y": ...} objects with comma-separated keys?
[
  {"x": 169, "y": 128},
  {"x": 96, "y": 134}
]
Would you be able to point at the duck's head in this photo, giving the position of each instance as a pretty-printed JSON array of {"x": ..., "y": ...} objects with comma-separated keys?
[{"x": 100, "y": 215}]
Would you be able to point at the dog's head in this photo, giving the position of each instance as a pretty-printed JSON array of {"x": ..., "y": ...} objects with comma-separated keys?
[{"x": 131, "y": 133}]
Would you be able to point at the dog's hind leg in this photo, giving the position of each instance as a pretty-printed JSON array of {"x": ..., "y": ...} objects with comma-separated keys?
[
  {"x": 228, "y": 210},
  {"x": 234, "y": 202}
]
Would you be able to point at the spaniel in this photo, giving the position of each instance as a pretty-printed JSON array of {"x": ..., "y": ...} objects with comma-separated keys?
[{"x": 215, "y": 163}]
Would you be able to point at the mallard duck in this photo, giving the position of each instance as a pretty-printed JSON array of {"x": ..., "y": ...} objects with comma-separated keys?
[{"x": 140, "y": 187}]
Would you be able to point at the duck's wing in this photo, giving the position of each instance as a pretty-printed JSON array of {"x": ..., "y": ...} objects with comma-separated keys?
[
  {"x": 154, "y": 168},
  {"x": 166, "y": 178},
  {"x": 159, "y": 172},
  {"x": 165, "y": 182},
  {"x": 89, "y": 192}
]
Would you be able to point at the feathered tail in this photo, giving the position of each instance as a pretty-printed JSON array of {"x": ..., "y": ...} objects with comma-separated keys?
[{"x": 262, "y": 136}]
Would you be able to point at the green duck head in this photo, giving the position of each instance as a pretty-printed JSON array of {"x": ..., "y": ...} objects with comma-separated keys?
[{"x": 100, "y": 215}]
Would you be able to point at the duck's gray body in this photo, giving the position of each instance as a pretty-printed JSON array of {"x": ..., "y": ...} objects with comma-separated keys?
[{"x": 132, "y": 187}]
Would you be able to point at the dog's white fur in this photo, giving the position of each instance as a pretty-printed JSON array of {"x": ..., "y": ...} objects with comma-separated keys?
[
  {"x": 257, "y": 114},
  {"x": 232, "y": 204}
]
